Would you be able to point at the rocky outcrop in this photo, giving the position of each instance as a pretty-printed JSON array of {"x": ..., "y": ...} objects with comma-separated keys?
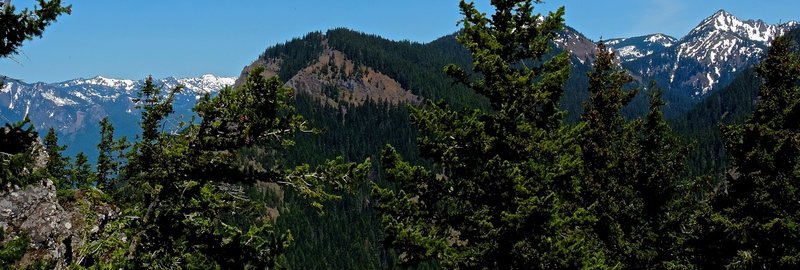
[
  {"x": 56, "y": 233},
  {"x": 335, "y": 79},
  {"x": 35, "y": 211}
]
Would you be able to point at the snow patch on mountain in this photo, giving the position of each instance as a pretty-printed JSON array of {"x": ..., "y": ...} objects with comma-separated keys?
[
  {"x": 72, "y": 105},
  {"x": 630, "y": 52},
  {"x": 207, "y": 83},
  {"x": 58, "y": 101},
  {"x": 662, "y": 39},
  {"x": 6, "y": 88},
  {"x": 630, "y": 49}
]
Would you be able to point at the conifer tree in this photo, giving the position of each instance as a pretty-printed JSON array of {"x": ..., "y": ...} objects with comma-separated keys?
[
  {"x": 633, "y": 171},
  {"x": 608, "y": 191},
  {"x": 504, "y": 188},
  {"x": 603, "y": 118},
  {"x": 665, "y": 200},
  {"x": 81, "y": 174},
  {"x": 56, "y": 161},
  {"x": 17, "y": 153},
  {"x": 109, "y": 154},
  {"x": 754, "y": 223}
]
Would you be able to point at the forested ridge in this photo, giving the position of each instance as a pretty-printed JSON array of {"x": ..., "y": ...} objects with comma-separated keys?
[{"x": 518, "y": 157}]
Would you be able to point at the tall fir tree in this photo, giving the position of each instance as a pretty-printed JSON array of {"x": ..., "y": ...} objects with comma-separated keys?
[
  {"x": 57, "y": 163},
  {"x": 81, "y": 174},
  {"x": 633, "y": 171},
  {"x": 755, "y": 223},
  {"x": 109, "y": 156},
  {"x": 503, "y": 190},
  {"x": 608, "y": 191},
  {"x": 665, "y": 199}
]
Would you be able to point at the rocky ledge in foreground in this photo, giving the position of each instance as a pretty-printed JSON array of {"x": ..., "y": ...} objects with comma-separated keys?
[{"x": 56, "y": 232}]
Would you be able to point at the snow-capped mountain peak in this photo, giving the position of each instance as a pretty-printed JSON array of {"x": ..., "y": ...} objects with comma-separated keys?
[
  {"x": 720, "y": 43},
  {"x": 97, "y": 92},
  {"x": 128, "y": 85},
  {"x": 721, "y": 20},
  {"x": 754, "y": 30}
]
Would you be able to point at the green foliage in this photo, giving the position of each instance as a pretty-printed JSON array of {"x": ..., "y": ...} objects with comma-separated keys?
[
  {"x": 609, "y": 190},
  {"x": 81, "y": 174},
  {"x": 633, "y": 173},
  {"x": 417, "y": 67},
  {"x": 17, "y": 137},
  {"x": 755, "y": 212},
  {"x": 664, "y": 201},
  {"x": 56, "y": 161},
  {"x": 348, "y": 235},
  {"x": 12, "y": 250},
  {"x": 185, "y": 189},
  {"x": 701, "y": 124},
  {"x": 19, "y": 27},
  {"x": 501, "y": 194},
  {"x": 295, "y": 54},
  {"x": 604, "y": 122},
  {"x": 18, "y": 150},
  {"x": 111, "y": 152}
]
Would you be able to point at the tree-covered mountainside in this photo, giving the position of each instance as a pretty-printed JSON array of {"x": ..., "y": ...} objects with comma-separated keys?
[{"x": 358, "y": 131}]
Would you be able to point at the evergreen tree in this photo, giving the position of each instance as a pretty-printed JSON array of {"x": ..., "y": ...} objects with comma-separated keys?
[
  {"x": 56, "y": 161},
  {"x": 609, "y": 192},
  {"x": 18, "y": 149},
  {"x": 603, "y": 118},
  {"x": 633, "y": 171},
  {"x": 503, "y": 191},
  {"x": 754, "y": 223},
  {"x": 665, "y": 200},
  {"x": 109, "y": 155},
  {"x": 81, "y": 174}
]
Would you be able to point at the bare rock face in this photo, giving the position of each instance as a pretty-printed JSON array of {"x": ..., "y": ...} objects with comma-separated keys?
[
  {"x": 56, "y": 234},
  {"x": 34, "y": 210}
]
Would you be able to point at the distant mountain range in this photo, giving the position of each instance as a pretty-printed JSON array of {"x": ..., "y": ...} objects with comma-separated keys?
[
  {"x": 333, "y": 68},
  {"x": 75, "y": 107},
  {"x": 708, "y": 57}
]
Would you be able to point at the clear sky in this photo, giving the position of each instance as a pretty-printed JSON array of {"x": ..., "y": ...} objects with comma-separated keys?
[{"x": 132, "y": 39}]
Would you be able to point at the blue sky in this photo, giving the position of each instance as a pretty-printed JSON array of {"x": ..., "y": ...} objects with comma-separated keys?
[{"x": 132, "y": 39}]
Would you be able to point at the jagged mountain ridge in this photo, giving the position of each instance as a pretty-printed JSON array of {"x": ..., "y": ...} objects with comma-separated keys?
[{"x": 708, "y": 57}]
